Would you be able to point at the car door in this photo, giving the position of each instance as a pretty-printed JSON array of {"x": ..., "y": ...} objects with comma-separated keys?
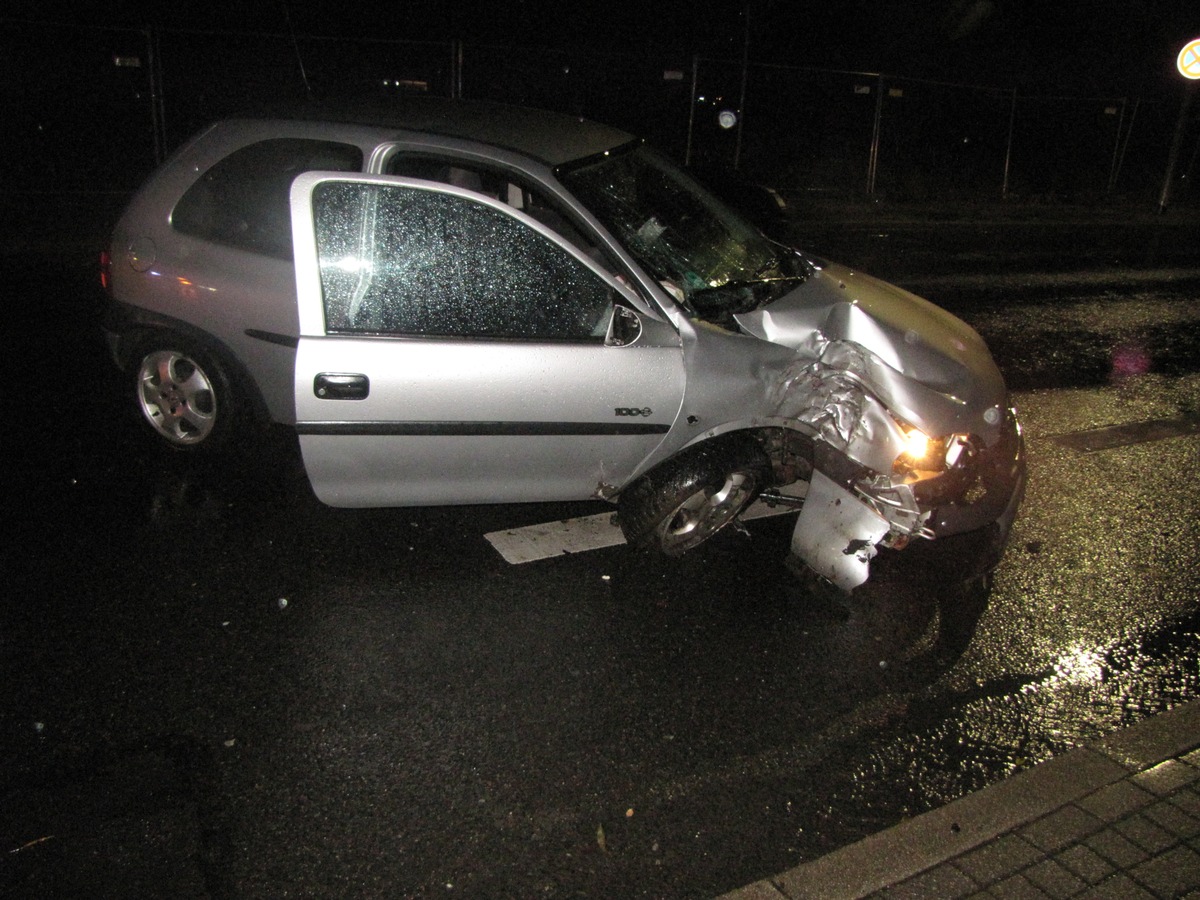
[{"x": 454, "y": 350}]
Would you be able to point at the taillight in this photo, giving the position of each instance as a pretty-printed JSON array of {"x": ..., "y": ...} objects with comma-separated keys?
[{"x": 106, "y": 270}]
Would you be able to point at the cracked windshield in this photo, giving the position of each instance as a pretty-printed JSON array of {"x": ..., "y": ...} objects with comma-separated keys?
[{"x": 708, "y": 258}]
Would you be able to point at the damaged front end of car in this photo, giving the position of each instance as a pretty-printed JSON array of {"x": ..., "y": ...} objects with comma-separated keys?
[
  {"x": 896, "y": 417},
  {"x": 890, "y": 408}
]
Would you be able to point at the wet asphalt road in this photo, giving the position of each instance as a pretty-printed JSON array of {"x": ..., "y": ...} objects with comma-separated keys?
[{"x": 216, "y": 687}]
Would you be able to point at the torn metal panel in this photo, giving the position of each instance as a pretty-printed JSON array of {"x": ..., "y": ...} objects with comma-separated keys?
[
  {"x": 836, "y": 535},
  {"x": 855, "y": 502}
]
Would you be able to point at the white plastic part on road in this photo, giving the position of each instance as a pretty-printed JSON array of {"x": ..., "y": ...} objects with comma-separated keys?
[{"x": 579, "y": 535}]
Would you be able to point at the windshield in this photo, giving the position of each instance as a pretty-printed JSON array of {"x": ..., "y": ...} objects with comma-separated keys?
[{"x": 702, "y": 252}]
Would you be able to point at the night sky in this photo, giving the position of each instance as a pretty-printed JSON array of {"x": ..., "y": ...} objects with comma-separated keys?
[{"x": 1097, "y": 46}]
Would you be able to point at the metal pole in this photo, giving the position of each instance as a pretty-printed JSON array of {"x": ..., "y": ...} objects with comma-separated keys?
[
  {"x": 873, "y": 161},
  {"x": 157, "y": 117},
  {"x": 1137, "y": 102},
  {"x": 687, "y": 152},
  {"x": 1112, "y": 170},
  {"x": 737, "y": 147},
  {"x": 1176, "y": 143},
  {"x": 1012, "y": 119},
  {"x": 1191, "y": 166}
]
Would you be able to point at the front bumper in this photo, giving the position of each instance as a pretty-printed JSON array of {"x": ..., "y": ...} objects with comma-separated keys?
[
  {"x": 993, "y": 492},
  {"x": 849, "y": 511}
]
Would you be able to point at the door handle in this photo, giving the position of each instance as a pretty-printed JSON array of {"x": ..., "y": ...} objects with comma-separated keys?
[{"x": 336, "y": 386}]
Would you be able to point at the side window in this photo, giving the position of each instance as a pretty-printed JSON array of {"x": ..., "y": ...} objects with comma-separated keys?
[
  {"x": 397, "y": 260},
  {"x": 495, "y": 184},
  {"x": 242, "y": 201}
]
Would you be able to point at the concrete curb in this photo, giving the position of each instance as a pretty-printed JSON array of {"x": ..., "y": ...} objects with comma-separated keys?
[{"x": 917, "y": 845}]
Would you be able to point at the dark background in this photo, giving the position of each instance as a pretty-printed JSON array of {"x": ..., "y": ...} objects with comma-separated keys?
[
  {"x": 1098, "y": 45},
  {"x": 956, "y": 101}
]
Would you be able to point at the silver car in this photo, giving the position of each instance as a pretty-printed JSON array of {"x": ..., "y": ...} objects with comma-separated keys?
[{"x": 462, "y": 303}]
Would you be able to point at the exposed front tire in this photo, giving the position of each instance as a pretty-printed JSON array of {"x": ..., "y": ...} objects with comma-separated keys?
[
  {"x": 183, "y": 394},
  {"x": 686, "y": 500}
]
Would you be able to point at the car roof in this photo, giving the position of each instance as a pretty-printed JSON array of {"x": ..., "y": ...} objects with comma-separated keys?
[{"x": 552, "y": 138}]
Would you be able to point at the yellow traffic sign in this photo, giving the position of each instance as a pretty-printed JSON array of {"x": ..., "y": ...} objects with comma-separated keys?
[{"x": 1189, "y": 60}]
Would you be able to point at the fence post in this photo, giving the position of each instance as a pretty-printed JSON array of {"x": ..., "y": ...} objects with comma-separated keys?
[
  {"x": 1012, "y": 119},
  {"x": 873, "y": 160},
  {"x": 1115, "y": 167},
  {"x": 737, "y": 146},
  {"x": 456, "y": 70},
  {"x": 687, "y": 152},
  {"x": 158, "y": 123},
  {"x": 1137, "y": 102}
]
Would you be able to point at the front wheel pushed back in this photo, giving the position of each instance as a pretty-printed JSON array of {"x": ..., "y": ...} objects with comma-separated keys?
[{"x": 686, "y": 500}]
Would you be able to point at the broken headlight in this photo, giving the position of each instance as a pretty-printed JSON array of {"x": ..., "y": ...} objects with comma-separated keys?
[{"x": 924, "y": 457}]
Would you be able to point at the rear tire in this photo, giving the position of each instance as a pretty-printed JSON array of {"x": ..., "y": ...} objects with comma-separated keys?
[
  {"x": 183, "y": 394},
  {"x": 686, "y": 500}
]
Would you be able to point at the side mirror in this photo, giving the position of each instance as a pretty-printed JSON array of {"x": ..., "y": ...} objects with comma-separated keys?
[{"x": 623, "y": 328}]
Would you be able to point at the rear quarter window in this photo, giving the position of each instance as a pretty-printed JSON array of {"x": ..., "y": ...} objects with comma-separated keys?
[{"x": 243, "y": 201}]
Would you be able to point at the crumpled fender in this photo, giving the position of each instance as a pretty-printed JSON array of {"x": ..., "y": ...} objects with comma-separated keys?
[
  {"x": 851, "y": 504},
  {"x": 870, "y": 361},
  {"x": 829, "y": 388}
]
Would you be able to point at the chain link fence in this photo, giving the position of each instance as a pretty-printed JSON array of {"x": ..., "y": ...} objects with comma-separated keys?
[
  {"x": 93, "y": 109},
  {"x": 888, "y": 137}
]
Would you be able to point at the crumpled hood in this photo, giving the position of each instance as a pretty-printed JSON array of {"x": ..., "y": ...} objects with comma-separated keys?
[{"x": 936, "y": 370}]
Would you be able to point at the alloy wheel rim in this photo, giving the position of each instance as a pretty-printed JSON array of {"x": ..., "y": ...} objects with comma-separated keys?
[
  {"x": 177, "y": 397},
  {"x": 706, "y": 512}
]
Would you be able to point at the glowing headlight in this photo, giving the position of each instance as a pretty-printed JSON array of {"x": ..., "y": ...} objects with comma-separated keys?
[
  {"x": 916, "y": 445},
  {"x": 924, "y": 457}
]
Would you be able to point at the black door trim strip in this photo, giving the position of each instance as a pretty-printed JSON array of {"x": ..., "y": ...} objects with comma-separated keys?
[
  {"x": 480, "y": 429},
  {"x": 283, "y": 340}
]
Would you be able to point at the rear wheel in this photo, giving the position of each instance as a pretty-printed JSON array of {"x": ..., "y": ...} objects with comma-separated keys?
[
  {"x": 183, "y": 394},
  {"x": 688, "y": 499}
]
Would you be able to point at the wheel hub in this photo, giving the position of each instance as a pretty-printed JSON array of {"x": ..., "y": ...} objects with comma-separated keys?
[{"x": 172, "y": 399}]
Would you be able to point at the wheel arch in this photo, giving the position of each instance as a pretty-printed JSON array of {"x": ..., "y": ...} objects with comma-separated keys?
[
  {"x": 787, "y": 443},
  {"x": 140, "y": 330}
]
